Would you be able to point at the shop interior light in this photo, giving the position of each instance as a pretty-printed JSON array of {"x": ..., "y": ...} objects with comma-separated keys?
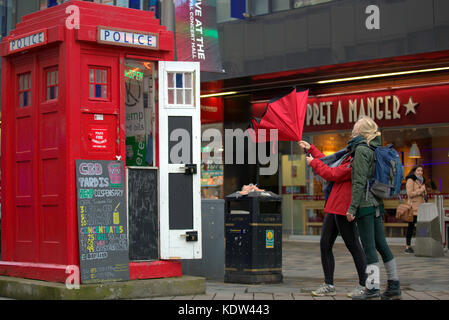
[
  {"x": 218, "y": 94},
  {"x": 414, "y": 151},
  {"x": 380, "y": 75}
]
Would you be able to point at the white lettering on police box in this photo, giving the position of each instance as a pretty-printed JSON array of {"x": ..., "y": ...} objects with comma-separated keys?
[
  {"x": 27, "y": 41},
  {"x": 128, "y": 38}
]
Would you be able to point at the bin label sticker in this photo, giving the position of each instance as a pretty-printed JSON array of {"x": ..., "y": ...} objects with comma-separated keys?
[{"x": 269, "y": 239}]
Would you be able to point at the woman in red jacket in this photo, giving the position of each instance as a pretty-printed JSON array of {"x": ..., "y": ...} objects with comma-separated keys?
[{"x": 335, "y": 221}]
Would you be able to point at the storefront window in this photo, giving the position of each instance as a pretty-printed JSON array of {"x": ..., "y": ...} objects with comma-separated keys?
[
  {"x": 211, "y": 163},
  {"x": 303, "y": 190},
  {"x": 304, "y": 3},
  {"x": 279, "y": 5}
]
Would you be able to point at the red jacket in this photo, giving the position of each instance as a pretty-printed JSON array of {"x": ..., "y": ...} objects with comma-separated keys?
[{"x": 340, "y": 196}]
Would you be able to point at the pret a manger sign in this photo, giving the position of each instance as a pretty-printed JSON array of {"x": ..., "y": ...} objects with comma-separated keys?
[
  {"x": 121, "y": 37},
  {"x": 30, "y": 40}
]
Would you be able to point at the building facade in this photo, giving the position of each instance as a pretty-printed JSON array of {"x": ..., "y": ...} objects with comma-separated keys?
[{"x": 386, "y": 59}]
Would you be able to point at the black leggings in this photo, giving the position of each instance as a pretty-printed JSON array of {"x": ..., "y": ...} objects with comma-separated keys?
[
  {"x": 334, "y": 224},
  {"x": 410, "y": 229}
]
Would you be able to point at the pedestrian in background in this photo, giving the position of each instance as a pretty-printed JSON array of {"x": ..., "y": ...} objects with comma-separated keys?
[
  {"x": 368, "y": 211},
  {"x": 337, "y": 199},
  {"x": 416, "y": 194}
]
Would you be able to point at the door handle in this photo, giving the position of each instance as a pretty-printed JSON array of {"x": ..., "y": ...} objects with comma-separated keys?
[
  {"x": 191, "y": 236},
  {"x": 190, "y": 169}
]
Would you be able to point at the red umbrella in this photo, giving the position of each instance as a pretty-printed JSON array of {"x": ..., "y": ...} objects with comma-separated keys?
[{"x": 286, "y": 114}]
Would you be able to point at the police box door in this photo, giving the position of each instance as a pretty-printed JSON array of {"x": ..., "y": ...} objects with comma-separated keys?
[{"x": 179, "y": 160}]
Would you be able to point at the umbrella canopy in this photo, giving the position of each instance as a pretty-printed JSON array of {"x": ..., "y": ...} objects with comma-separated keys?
[{"x": 286, "y": 114}]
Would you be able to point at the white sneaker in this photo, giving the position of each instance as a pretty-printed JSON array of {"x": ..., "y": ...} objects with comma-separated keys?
[
  {"x": 356, "y": 292},
  {"x": 324, "y": 290}
]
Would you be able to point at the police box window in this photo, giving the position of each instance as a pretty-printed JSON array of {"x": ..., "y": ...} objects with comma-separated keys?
[
  {"x": 180, "y": 88},
  {"x": 24, "y": 90},
  {"x": 98, "y": 83},
  {"x": 52, "y": 84}
]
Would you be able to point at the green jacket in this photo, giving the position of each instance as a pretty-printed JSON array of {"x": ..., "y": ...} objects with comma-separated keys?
[{"x": 362, "y": 171}]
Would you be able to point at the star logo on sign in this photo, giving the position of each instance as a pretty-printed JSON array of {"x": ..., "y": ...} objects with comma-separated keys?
[{"x": 410, "y": 106}]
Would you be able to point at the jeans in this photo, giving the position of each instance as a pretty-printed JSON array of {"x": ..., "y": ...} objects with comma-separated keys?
[{"x": 410, "y": 229}]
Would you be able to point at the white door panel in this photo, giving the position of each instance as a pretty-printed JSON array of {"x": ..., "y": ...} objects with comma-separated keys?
[{"x": 179, "y": 108}]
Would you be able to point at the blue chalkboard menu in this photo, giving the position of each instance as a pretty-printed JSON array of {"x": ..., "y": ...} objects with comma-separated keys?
[{"x": 102, "y": 221}]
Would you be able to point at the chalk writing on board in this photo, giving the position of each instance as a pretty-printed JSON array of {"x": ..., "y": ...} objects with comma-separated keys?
[{"x": 102, "y": 221}]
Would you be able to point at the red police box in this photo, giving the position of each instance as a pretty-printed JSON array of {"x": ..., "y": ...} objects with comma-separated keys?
[{"x": 67, "y": 95}]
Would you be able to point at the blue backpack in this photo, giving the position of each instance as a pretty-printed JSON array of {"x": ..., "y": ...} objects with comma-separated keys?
[{"x": 388, "y": 172}]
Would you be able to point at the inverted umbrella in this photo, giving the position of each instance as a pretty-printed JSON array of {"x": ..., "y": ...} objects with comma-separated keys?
[{"x": 286, "y": 114}]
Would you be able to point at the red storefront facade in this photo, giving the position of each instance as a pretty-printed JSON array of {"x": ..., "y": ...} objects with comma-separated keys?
[{"x": 408, "y": 97}]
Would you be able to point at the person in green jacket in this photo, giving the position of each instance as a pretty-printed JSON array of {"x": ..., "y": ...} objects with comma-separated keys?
[{"x": 368, "y": 211}]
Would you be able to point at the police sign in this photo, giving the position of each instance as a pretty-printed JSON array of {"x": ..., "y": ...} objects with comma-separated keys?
[
  {"x": 28, "y": 41},
  {"x": 129, "y": 38}
]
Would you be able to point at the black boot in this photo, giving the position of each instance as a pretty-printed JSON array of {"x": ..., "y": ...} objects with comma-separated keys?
[
  {"x": 368, "y": 294},
  {"x": 393, "y": 291}
]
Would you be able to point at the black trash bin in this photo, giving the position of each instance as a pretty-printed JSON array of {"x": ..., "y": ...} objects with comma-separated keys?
[{"x": 253, "y": 232}]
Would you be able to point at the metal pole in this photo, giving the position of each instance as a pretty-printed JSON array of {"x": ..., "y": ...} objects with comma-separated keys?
[
  {"x": 168, "y": 18},
  {"x": 167, "y": 14}
]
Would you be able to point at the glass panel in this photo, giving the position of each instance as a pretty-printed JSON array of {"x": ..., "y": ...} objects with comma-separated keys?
[
  {"x": 97, "y": 76},
  {"x": 91, "y": 91},
  {"x": 29, "y": 98},
  {"x": 53, "y": 80},
  {"x": 104, "y": 91},
  {"x": 48, "y": 93},
  {"x": 260, "y": 7},
  {"x": 20, "y": 100},
  {"x": 29, "y": 81},
  {"x": 25, "y": 98},
  {"x": 48, "y": 78},
  {"x": 97, "y": 90},
  {"x": 56, "y": 92},
  {"x": 188, "y": 96},
  {"x": 171, "y": 96},
  {"x": 188, "y": 80},
  {"x": 104, "y": 76},
  {"x": 57, "y": 74},
  {"x": 179, "y": 96},
  {"x": 179, "y": 80},
  {"x": 91, "y": 75},
  {"x": 279, "y": 5},
  {"x": 21, "y": 82},
  {"x": 52, "y": 92},
  {"x": 170, "y": 80}
]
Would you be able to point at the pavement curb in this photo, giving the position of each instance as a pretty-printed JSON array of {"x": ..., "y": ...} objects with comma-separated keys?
[{"x": 27, "y": 289}]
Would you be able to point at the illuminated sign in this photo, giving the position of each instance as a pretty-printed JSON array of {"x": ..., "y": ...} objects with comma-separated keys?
[
  {"x": 121, "y": 37},
  {"x": 28, "y": 41},
  {"x": 134, "y": 74}
]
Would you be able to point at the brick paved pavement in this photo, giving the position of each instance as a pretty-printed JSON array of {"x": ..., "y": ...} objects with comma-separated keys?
[{"x": 421, "y": 278}]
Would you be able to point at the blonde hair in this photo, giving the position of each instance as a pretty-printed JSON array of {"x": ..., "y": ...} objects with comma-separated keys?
[{"x": 367, "y": 128}]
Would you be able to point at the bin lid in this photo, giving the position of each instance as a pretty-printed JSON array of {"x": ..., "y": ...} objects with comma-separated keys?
[{"x": 262, "y": 195}]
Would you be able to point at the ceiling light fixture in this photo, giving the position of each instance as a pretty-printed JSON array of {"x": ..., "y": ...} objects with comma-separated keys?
[
  {"x": 381, "y": 75},
  {"x": 218, "y": 94},
  {"x": 414, "y": 151}
]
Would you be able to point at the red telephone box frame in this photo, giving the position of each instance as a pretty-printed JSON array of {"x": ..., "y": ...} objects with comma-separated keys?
[{"x": 40, "y": 142}]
